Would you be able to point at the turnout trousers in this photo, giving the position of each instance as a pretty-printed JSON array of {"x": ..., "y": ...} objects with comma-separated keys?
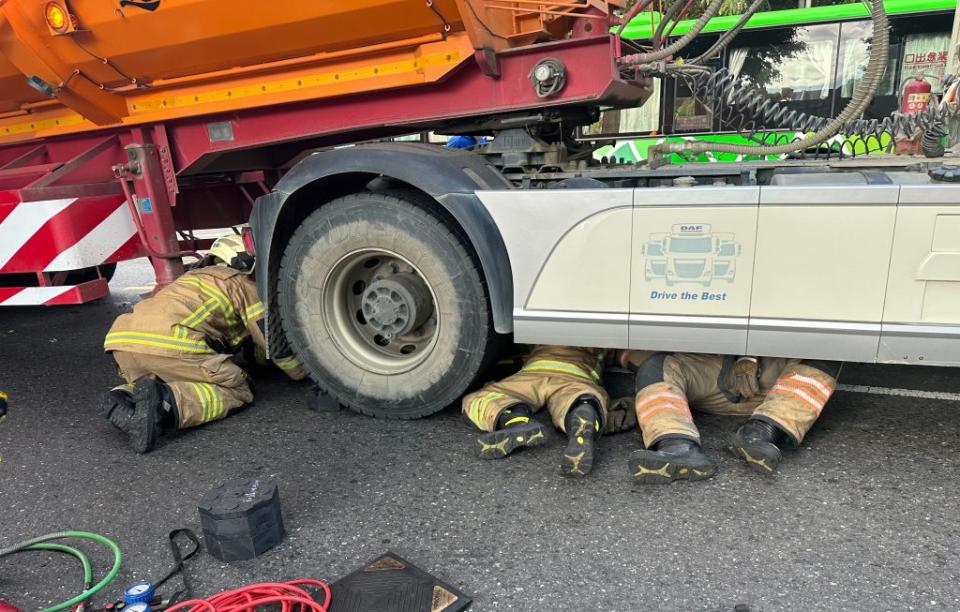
[
  {"x": 792, "y": 394},
  {"x": 206, "y": 387},
  {"x": 552, "y": 377}
]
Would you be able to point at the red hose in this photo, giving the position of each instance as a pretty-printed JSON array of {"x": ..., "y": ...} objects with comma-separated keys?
[{"x": 245, "y": 599}]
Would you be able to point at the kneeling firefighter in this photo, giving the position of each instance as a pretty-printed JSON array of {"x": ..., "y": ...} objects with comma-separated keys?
[
  {"x": 174, "y": 350},
  {"x": 782, "y": 397},
  {"x": 564, "y": 379}
]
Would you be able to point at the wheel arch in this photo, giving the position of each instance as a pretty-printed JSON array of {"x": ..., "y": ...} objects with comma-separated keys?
[{"x": 449, "y": 178}]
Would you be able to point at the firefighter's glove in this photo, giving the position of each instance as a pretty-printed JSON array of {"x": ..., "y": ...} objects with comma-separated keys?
[
  {"x": 743, "y": 378},
  {"x": 621, "y": 416}
]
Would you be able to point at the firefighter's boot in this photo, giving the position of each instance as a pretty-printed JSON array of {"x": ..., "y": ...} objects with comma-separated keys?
[
  {"x": 758, "y": 443},
  {"x": 515, "y": 428},
  {"x": 671, "y": 459},
  {"x": 582, "y": 425},
  {"x": 155, "y": 412},
  {"x": 116, "y": 405}
]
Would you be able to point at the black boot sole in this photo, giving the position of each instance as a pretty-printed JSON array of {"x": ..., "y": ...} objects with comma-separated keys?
[
  {"x": 761, "y": 457},
  {"x": 649, "y": 467},
  {"x": 142, "y": 426},
  {"x": 500, "y": 443},
  {"x": 114, "y": 410},
  {"x": 577, "y": 459}
]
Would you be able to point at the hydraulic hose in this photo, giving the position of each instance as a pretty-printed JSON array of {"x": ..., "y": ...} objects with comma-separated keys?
[
  {"x": 729, "y": 35},
  {"x": 87, "y": 592},
  {"x": 862, "y": 96},
  {"x": 668, "y": 15},
  {"x": 633, "y": 12},
  {"x": 680, "y": 43},
  {"x": 74, "y": 552}
]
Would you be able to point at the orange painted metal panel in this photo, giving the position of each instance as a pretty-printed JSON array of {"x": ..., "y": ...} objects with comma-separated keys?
[{"x": 155, "y": 60}]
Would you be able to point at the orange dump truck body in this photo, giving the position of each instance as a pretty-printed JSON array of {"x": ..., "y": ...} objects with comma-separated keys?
[
  {"x": 126, "y": 124},
  {"x": 98, "y": 63}
]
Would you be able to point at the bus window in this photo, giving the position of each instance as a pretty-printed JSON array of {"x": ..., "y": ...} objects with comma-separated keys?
[
  {"x": 642, "y": 120},
  {"x": 925, "y": 54},
  {"x": 855, "y": 40},
  {"x": 690, "y": 114},
  {"x": 918, "y": 44},
  {"x": 795, "y": 66},
  {"x": 686, "y": 113}
]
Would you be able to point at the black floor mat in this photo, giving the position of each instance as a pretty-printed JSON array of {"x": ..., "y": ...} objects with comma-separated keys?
[{"x": 391, "y": 584}]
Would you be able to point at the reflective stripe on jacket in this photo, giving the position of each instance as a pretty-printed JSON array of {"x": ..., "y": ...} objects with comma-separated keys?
[{"x": 208, "y": 310}]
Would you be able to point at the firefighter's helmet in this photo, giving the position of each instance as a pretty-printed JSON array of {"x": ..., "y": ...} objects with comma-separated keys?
[{"x": 231, "y": 251}]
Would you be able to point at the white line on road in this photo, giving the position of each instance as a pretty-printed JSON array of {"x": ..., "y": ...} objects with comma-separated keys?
[{"x": 935, "y": 395}]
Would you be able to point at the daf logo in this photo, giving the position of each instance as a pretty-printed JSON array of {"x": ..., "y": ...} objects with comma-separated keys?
[{"x": 691, "y": 228}]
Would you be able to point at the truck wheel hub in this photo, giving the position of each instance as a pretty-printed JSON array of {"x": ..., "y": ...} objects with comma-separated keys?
[{"x": 397, "y": 305}]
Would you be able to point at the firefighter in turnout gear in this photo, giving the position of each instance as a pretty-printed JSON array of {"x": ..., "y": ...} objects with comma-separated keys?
[
  {"x": 174, "y": 350},
  {"x": 782, "y": 397},
  {"x": 565, "y": 380}
]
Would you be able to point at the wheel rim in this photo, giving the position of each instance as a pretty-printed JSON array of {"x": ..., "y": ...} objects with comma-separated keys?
[{"x": 380, "y": 311}]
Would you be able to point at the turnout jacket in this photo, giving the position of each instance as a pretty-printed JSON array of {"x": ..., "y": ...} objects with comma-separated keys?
[{"x": 209, "y": 310}]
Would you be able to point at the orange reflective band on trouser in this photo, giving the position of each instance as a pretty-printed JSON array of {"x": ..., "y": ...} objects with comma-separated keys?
[
  {"x": 811, "y": 392},
  {"x": 658, "y": 401},
  {"x": 662, "y": 410},
  {"x": 796, "y": 400}
]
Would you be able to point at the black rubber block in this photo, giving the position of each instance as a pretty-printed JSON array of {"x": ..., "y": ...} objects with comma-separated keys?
[
  {"x": 241, "y": 519},
  {"x": 390, "y": 583}
]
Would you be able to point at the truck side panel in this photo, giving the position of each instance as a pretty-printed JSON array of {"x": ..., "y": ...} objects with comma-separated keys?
[
  {"x": 570, "y": 255},
  {"x": 921, "y": 318},
  {"x": 677, "y": 301},
  {"x": 815, "y": 272},
  {"x": 822, "y": 259}
]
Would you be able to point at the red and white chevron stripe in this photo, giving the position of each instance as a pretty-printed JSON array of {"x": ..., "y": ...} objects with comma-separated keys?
[
  {"x": 53, "y": 296},
  {"x": 62, "y": 235},
  {"x": 67, "y": 234}
]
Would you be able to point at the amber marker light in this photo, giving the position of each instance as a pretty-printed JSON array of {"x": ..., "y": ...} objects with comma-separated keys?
[{"x": 57, "y": 17}]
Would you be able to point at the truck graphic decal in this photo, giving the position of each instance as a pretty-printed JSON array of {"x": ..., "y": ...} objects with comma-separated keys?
[{"x": 691, "y": 253}]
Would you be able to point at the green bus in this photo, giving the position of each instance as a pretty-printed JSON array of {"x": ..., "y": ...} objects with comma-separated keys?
[{"x": 807, "y": 59}]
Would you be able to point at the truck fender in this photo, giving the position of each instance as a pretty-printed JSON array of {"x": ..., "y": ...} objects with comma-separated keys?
[{"x": 450, "y": 177}]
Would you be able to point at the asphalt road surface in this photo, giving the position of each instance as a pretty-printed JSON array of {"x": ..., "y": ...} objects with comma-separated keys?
[{"x": 863, "y": 517}]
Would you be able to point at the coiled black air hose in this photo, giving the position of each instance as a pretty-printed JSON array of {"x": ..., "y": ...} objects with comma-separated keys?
[{"x": 824, "y": 128}]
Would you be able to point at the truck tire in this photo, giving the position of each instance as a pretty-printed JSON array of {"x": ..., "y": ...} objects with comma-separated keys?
[{"x": 384, "y": 305}]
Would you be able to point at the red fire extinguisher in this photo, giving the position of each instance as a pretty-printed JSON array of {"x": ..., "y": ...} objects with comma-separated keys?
[
  {"x": 914, "y": 98},
  {"x": 916, "y": 95}
]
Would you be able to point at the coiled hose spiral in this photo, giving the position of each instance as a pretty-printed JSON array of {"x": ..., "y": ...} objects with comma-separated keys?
[
  {"x": 744, "y": 110},
  {"x": 723, "y": 82}
]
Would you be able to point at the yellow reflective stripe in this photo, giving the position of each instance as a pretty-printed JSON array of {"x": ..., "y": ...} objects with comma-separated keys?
[
  {"x": 548, "y": 365},
  {"x": 199, "y": 315},
  {"x": 211, "y": 401},
  {"x": 203, "y": 401},
  {"x": 520, "y": 419},
  {"x": 228, "y": 312},
  {"x": 287, "y": 363},
  {"x": 253, "y": 311},
  {"x": 217, "y": 398},
  {"x": 479, "y": 405},
  {"x": 157, "y": 340},
  {"x": 236, "y": 329}
]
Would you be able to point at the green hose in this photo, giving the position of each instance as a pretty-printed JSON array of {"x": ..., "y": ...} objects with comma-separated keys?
[
  {"x": 87, "y": 593},
  {"x": 84, "y": 560}
]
